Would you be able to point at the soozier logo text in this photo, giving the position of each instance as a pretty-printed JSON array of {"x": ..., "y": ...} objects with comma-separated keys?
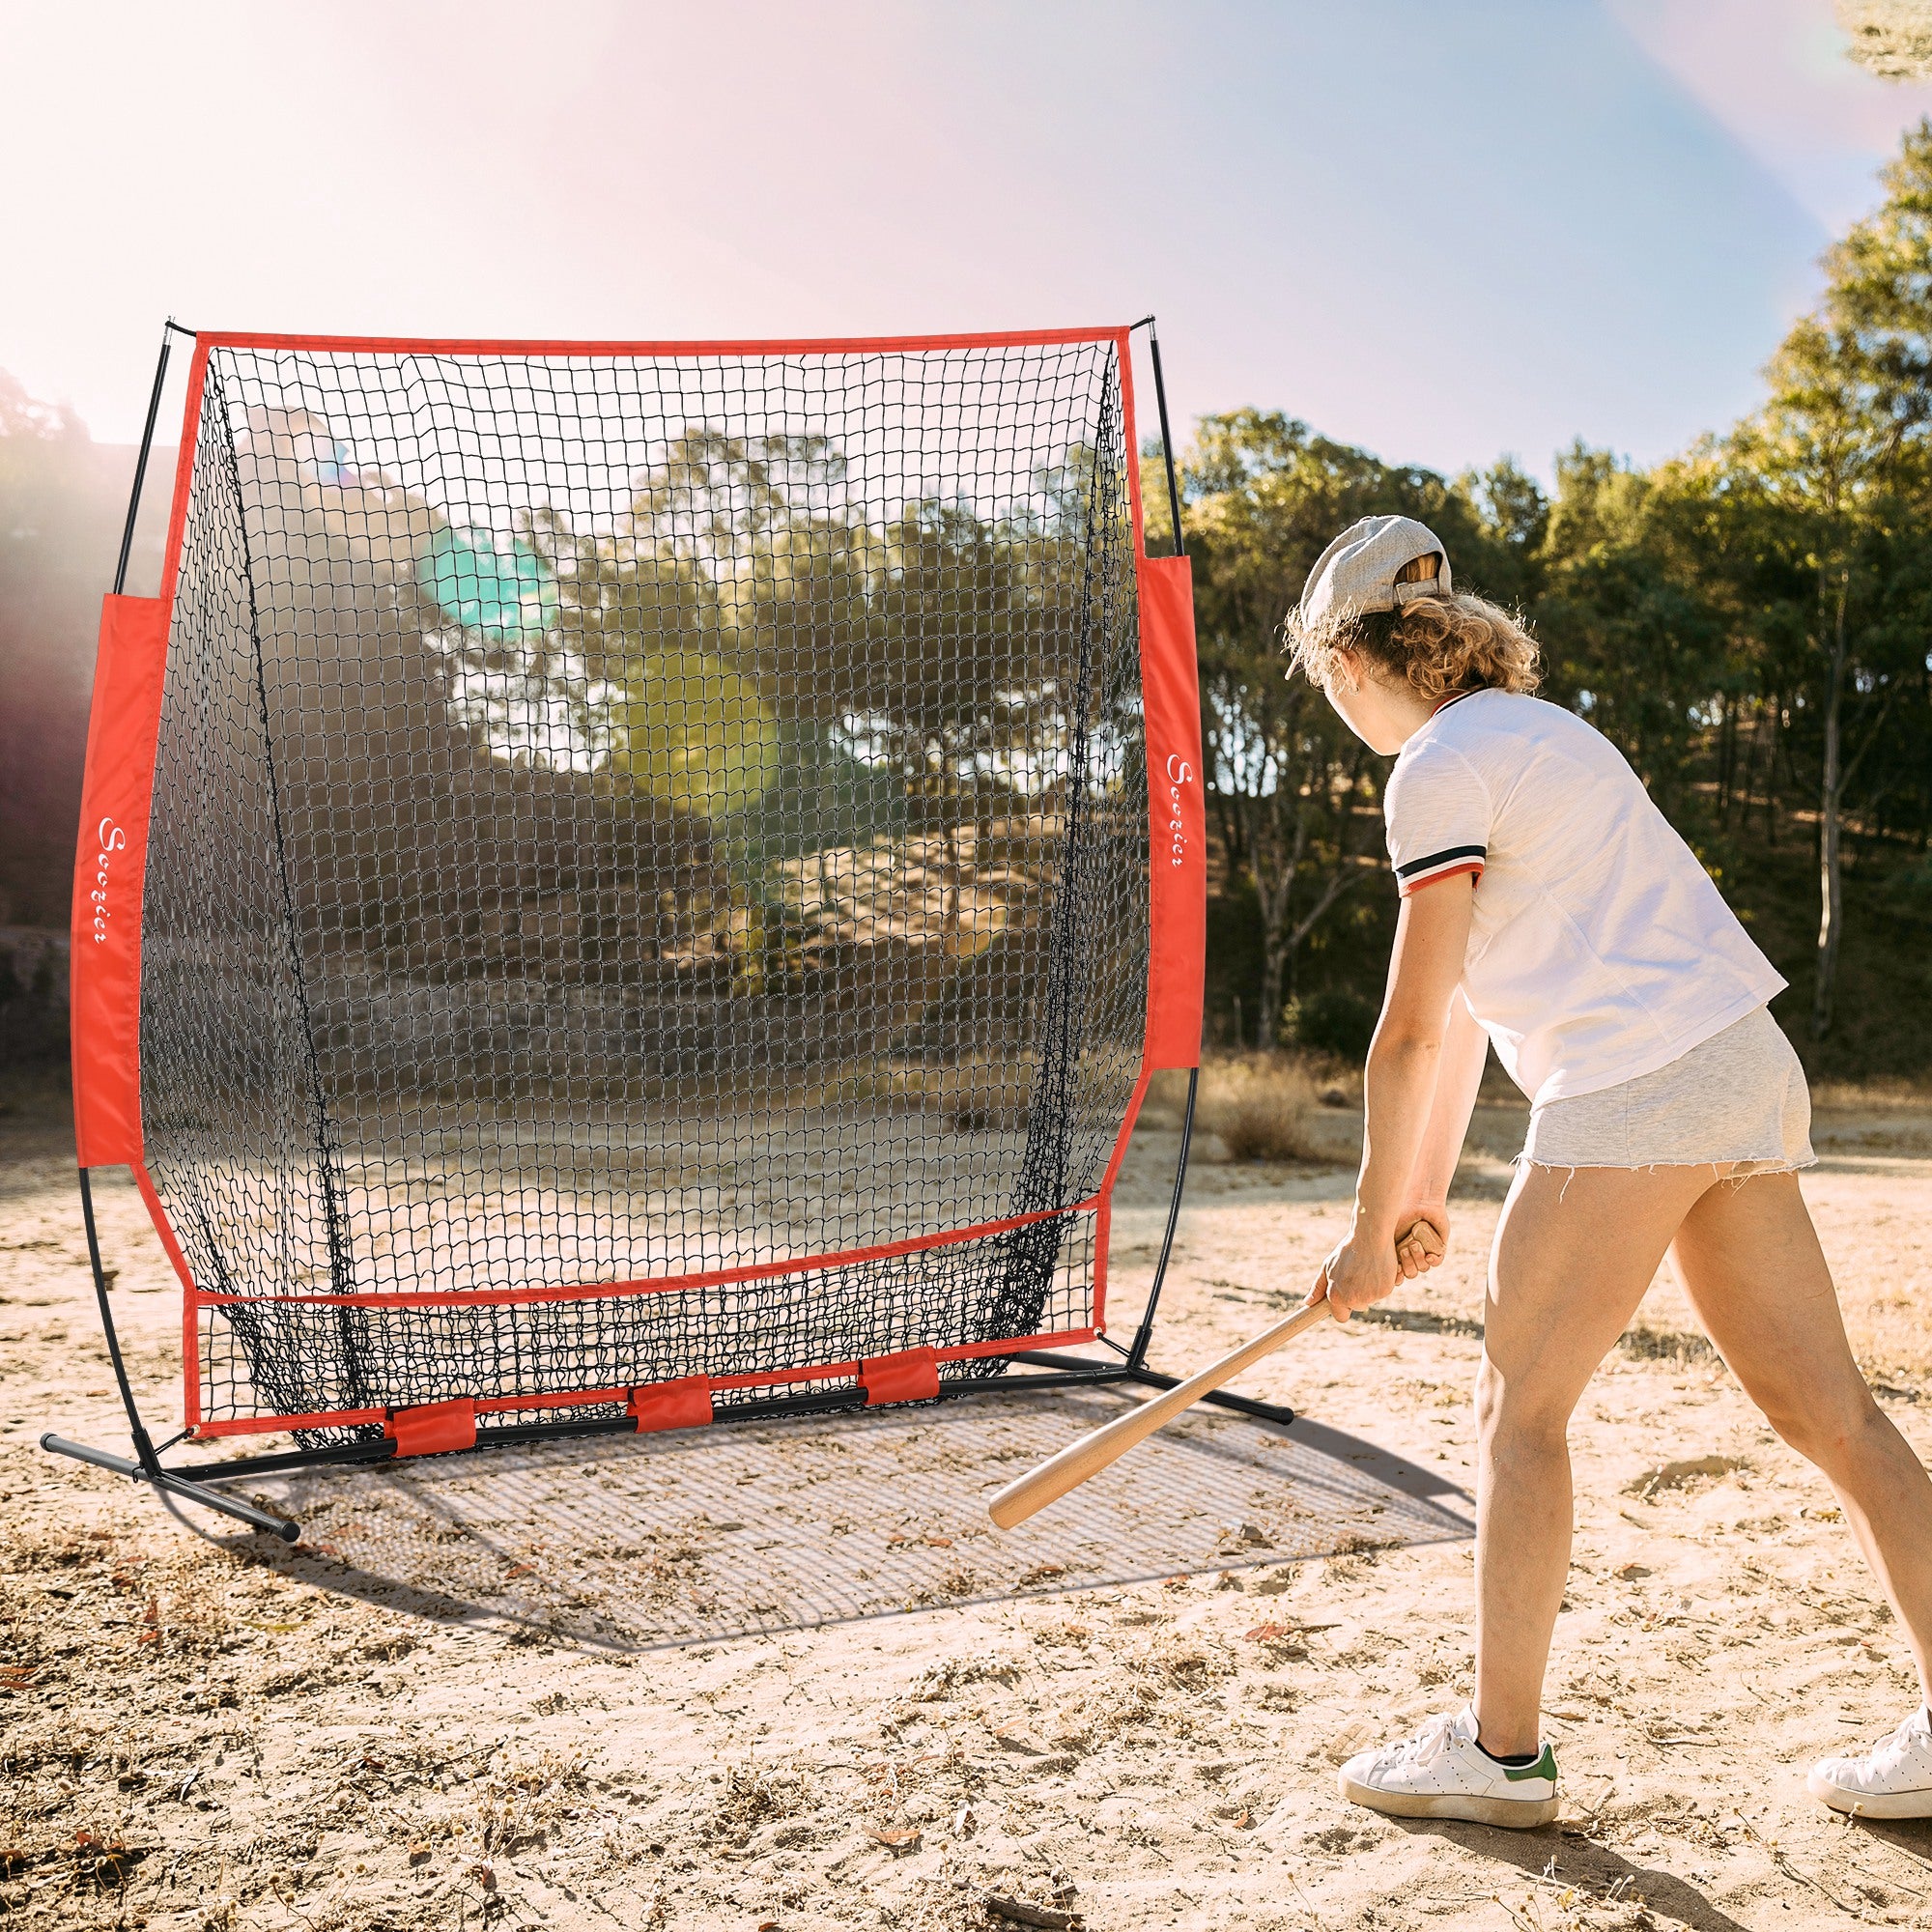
[
  {"x": 1178, "y": 773},
  {"x": 112, "y": 840}
]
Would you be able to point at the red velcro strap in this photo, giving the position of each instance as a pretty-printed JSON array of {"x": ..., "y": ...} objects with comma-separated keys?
[
  {"x": 910, "y": 1376},
  {"x": 433, "y": 1429},
  {"x": 684, "y": 1404}
]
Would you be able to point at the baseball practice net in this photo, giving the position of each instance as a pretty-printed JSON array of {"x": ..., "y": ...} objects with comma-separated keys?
[{"x": 620, "y": 881}]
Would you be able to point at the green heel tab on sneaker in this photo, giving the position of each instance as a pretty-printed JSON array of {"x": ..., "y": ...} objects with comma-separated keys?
[{"x": 1544, "y": 1767}]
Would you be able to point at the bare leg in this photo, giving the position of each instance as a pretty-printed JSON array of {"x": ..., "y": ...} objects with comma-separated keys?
[
  {"x": 1574, "y": 1251},
  {"x": 1749, "y": 1260}
]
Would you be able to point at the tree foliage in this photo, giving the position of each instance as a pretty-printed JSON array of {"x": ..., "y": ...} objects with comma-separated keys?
[{"x": 1748, "y": 622}]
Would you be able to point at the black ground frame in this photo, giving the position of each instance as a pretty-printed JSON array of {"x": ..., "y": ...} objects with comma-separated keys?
[{"x": 1052, "y": 1370}]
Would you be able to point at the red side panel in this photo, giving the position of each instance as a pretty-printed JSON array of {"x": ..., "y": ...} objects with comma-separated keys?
[
  {"x": 433, "y": 1428},
  {"x": 1170, "y": 693},
  {"x": 683, "y": 1403},
  {"x": 912, "y": 1375},
  {"x": 109, "y": 868}
]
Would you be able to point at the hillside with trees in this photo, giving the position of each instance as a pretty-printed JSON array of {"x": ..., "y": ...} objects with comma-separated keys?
[{"x": 63, "y": 498}]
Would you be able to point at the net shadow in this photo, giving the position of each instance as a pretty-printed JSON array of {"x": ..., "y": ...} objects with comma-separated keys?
[{"x": 632, "y": 1544}]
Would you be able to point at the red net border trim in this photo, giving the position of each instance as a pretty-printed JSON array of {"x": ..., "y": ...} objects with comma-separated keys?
[
  {"x": 822, "y": 345},
  {"x": 836, "y": 345},
  {"x": 584, "y": 1398},
  {"x": 1100, "y": 1204}
]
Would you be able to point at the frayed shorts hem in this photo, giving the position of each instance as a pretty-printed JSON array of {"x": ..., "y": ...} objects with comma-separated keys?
[{"x": 1744, "y": 1167}]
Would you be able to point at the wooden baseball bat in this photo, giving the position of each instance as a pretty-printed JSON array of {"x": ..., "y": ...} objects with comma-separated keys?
[{"x": 1088, "y": 1455}]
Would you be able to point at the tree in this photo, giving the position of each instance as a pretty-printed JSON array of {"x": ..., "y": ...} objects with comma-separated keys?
[
  {"x": 1842, "y": 442},
  {"x": 63, "y": 498},
  {"x": 1291, "y": 786},
  {"x": 1631, "y": 638},
  {"x": 1890, "y": 37}
]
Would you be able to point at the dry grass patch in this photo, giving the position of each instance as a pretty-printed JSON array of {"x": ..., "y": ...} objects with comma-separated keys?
[
  {"x": 527, "y": 1800},
  {"x": 1644, "y": 1343},
  {"x": 750, "y": 1797},
  {"x": 1261, "y": 1106},
  {"x": 938, "y": 1682}
]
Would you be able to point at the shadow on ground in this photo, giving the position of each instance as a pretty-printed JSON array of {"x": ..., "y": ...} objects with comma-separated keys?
[
  {"x": 1594, "y": 1869},
  {"x": 634, "y": 1542}
]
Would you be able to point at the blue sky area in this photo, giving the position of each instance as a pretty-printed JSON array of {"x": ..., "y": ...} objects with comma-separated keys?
[{"x": 1441, "y": 228}]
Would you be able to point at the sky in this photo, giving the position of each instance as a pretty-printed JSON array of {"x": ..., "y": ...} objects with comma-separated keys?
[{"x": 1444, "y": 228}]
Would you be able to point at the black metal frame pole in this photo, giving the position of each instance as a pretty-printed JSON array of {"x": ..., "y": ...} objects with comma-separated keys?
[
  {"x": 144, "y": 1447},
  {"x": 145, "y": 1466},
  {"x": 171, "y": 1482},
  {"x": 141, "y": 459},
  {"x": 1166, "y": 439},
  {"x": 1136, "y": 1356},
  {"x": 1143, "y": 1334}
]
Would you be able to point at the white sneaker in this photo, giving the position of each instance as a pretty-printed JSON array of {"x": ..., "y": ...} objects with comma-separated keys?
[
  {"x": 1894, "y": 1779},
  {"x": 1443, "y": 1773}
]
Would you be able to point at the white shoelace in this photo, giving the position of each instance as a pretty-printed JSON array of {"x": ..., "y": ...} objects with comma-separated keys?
[
  {"x": 1423, "y": 1747},
  {"x": 1902, "y": 1737}
]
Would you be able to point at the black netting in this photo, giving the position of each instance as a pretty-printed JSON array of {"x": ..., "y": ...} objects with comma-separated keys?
[{"x": 625, "y": 817}]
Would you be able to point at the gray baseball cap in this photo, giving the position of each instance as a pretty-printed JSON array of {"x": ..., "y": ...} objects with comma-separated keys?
[{"x": 1356, "y": 574}]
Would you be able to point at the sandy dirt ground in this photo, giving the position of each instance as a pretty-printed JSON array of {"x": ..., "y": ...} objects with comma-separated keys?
[{"x": 788, "y": 1678}]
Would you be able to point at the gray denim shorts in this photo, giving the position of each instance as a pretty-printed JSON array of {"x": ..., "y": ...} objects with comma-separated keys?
[{"x": 1739, "y": 1097}]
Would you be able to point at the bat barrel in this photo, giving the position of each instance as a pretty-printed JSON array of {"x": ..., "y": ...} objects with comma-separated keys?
[{"x": 1087, "y": 1455}]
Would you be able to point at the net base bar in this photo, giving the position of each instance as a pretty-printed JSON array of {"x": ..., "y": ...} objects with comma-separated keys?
[
  {"x": 191, "y": 1483},
  {"x": 174, "y": 1483},
  {"x": 577, "y": 1397}
]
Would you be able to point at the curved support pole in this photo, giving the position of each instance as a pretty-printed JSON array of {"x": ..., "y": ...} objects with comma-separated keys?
[
  {"x": 1136, "y": 1362},
  {"x": 145, "y": 1465}
]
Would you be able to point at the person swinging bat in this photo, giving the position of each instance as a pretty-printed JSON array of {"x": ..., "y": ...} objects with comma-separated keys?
[{"x": 1548, "y": 908}]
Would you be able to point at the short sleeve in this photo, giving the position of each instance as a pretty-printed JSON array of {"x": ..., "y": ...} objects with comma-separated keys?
[{"x": 1439, "y": 817}]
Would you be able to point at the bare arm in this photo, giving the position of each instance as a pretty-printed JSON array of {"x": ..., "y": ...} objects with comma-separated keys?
[
  {"x": 1405, "y": 1070},
  {"x": 1464, "y": 1046}
]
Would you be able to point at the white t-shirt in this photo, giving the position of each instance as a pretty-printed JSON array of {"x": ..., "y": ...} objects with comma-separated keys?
[{"x": 1601, "y": 950}]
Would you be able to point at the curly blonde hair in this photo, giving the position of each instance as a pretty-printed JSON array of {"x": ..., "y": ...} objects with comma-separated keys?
[{"x": 1438, "y": 646}]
